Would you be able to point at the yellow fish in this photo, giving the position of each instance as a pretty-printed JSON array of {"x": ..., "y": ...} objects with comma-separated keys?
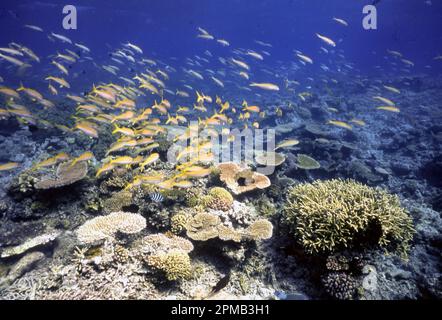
[
  {"x": 341, "y": 124},
  {"x": 287, "y": 143},
  {"x": 8, "y": 166},
  {"x": 389, "y": 108}
]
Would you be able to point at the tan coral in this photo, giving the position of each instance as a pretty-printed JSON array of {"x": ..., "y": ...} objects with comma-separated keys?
[
  {"x": 175, "y": 264},
  {"x": 67, "y": 174},
  {"x": 231, "y": 173},
  {"x": 226, "y": 233},
  {"x": 260, "y": 230},
  {"x": 105, "y": 227},
  {"x": 162, "y": 243},
  {"x": 219, "y": 199},
  {"x": 203, "y": 226}
]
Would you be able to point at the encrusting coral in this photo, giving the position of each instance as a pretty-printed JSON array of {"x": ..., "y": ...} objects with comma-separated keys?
[
  {"x": 66, "y": 175},
  {"x": 106, "y": 227},
  {"x": 205, "y": 226},
  {"x": 326, "y": 216},
  {"x": 241, "y": 179}
]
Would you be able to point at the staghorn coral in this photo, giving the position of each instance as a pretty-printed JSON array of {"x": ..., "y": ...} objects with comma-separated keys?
[
  {"x": 239, "y": 179},
  {"x": 117, "y": 202},
  {"x": 106, "y": 227},
  {"x": 175, "y": 264},
  {"x": 66, "y": 175},
  {"x": 326, "y": 216},
  {"x": 218, "y": 199}
]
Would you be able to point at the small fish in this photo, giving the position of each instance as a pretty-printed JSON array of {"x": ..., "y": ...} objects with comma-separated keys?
[
  {"x": 241, "y": 64},
  {"x": 32, "y": 27},
  {"x": 265, "y": 86},
  {"x": 14, "y": 61},
  {"x": 105, "y": 168},
  {"x": 221, "y": 284},
  {"x": 287, "y": 143},
  {"x": 389, "y": 108},
  {"x": 8, "y": 166},
  {"x": 328, "y": 41},
  {"x": 304, "y": 58},
  {"x": 61, "y": 37},
  {"x": 340, "y": 124},
  {"x": 392, "y": 89},
  {"x": 87, "y": 129},
  {"x": 150, "y": 159},
  {"x": 83, "y": 157},
  {"x": 341, "y": 21},
  {"x": 156, "y": 197},
  {"x": 358, "y": 122},
  {"x": 384, "y": 100},
  {"x": 223, "y": 42}
]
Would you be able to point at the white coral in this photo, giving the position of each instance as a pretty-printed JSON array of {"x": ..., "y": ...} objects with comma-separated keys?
[{"x": 105, "y": 227}]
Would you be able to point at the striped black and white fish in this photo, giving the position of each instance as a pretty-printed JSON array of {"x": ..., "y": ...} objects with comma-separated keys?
[{"x": 156, "y": 197}]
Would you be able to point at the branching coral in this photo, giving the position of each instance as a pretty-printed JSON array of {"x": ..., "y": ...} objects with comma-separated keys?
[
  {"x": 239, "y": 179},
  {"x": 106, "y": 227},
  {"x": 67, "y": 174},
  {"x": 326, "y": 216}
]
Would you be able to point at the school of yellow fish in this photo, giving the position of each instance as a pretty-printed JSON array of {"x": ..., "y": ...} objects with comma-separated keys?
[{"x": 138, "y": 129}]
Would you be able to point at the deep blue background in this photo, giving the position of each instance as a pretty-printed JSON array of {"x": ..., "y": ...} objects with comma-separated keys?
[{"x": 165, "y": 28}]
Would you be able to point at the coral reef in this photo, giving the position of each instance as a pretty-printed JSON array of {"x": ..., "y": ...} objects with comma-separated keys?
[
  {"x": 30, "y": 244},
  {"x": 218, "y": 199},
  {"x": 327, "y": 216},
  {"x": 239, "y": 179},
  {"x": 66, "y": 175},
  {"x": 106, "y": 227},
  {"x": 175, "y": 264}
]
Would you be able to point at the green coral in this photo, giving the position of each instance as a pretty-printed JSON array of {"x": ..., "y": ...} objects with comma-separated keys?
[
  {"x": 326, "y": 216},
  {"x": 218, "y": 199}
]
